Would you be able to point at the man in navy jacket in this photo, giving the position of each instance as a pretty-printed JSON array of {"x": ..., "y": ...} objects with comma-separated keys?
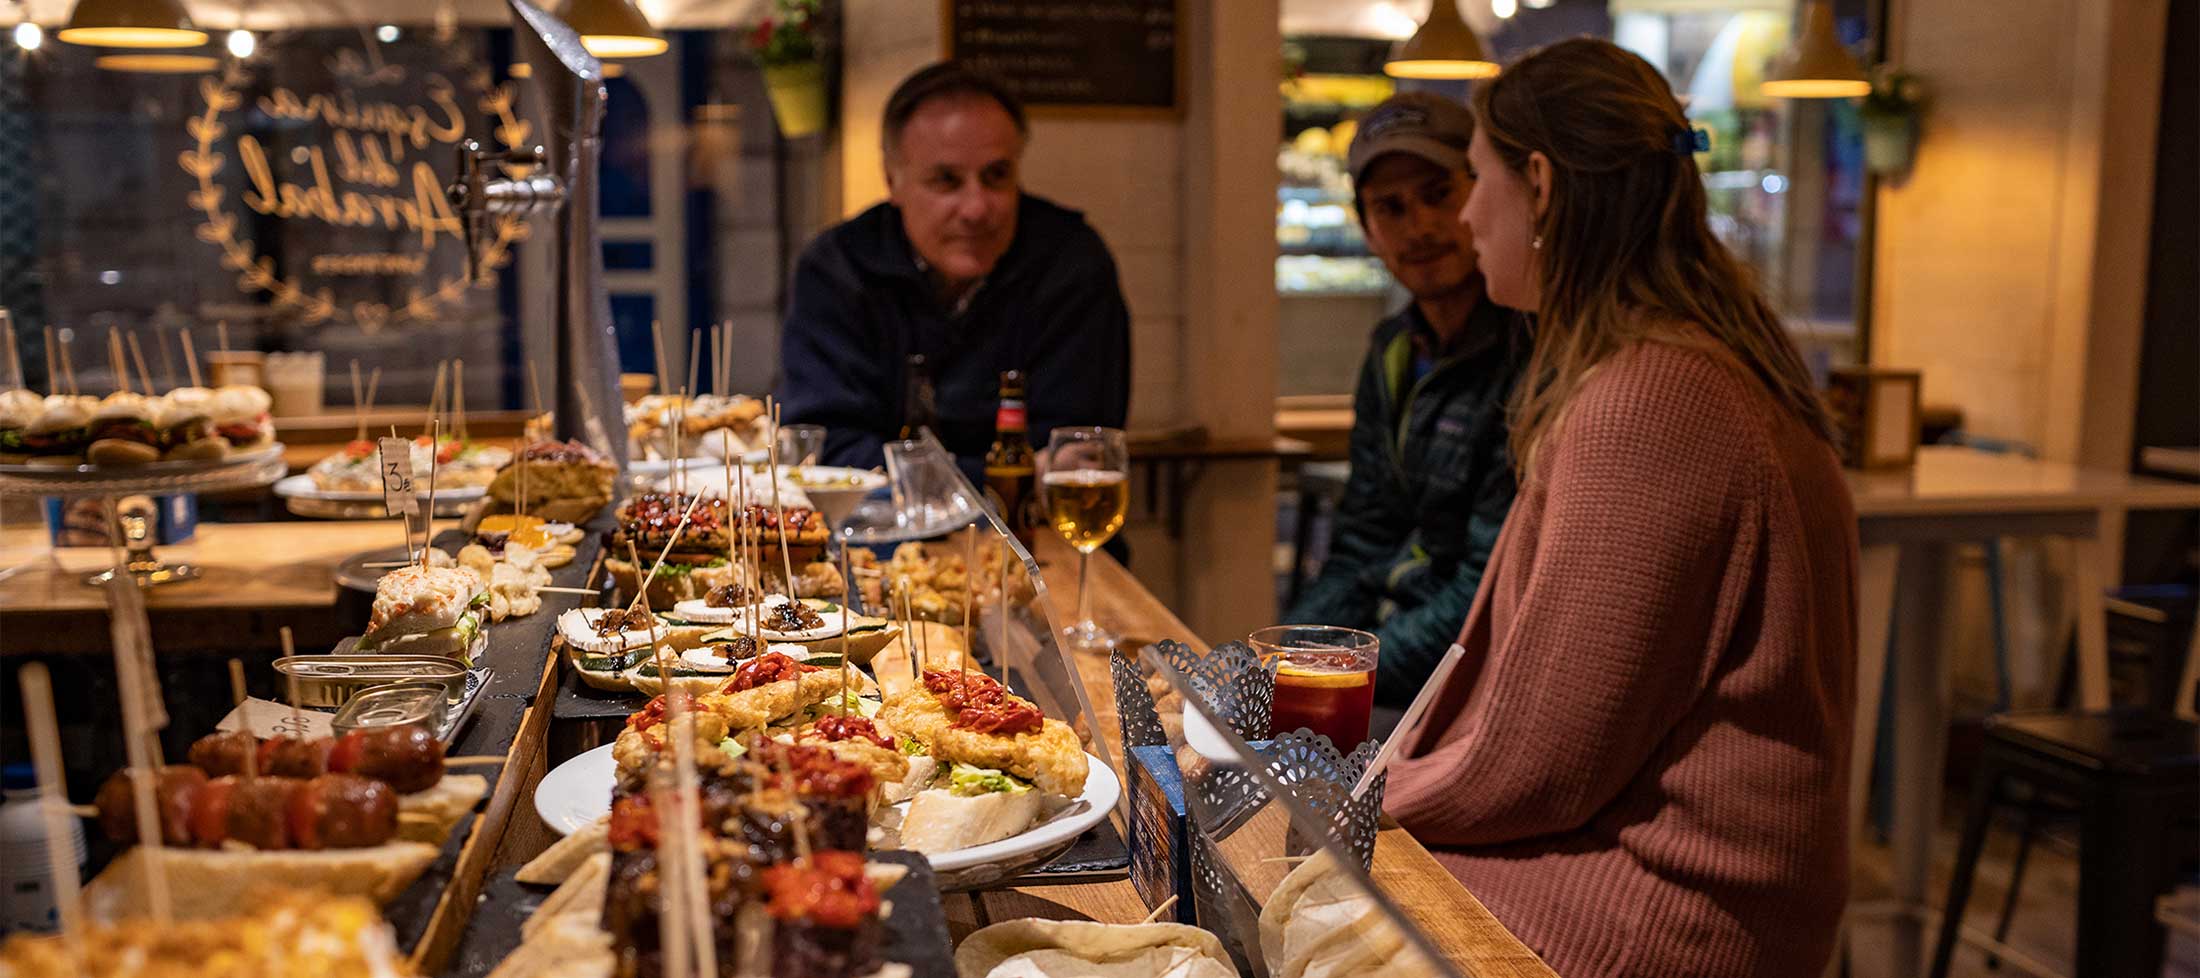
[{"x": 963, "y": 267}]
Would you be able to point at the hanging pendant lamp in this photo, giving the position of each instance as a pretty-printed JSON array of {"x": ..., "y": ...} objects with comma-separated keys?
[
  {"x": 1816, "y": 65},
  {"x": 614, "y": 29},
  {"x": 1443, "y": 47},
  {"x": 131, "y": 24}
]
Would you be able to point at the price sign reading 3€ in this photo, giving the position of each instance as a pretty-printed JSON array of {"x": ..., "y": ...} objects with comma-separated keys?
[{"x": 397, "y": 477}]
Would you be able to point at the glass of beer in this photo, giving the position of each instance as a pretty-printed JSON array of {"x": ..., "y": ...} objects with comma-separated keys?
[
  {"x": 1325, "y": 680},
  {"x": 1087, "y": 487}
]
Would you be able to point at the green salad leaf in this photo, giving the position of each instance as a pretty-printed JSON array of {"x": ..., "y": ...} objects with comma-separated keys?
[{"x": 966, "y": 780}]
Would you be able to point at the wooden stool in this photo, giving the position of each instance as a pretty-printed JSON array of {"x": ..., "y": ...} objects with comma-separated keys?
[{"x": 2135, "y": 778}]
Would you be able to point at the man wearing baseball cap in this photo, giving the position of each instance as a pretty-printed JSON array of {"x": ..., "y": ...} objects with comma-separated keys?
[{"x": 1431, "y": 479}]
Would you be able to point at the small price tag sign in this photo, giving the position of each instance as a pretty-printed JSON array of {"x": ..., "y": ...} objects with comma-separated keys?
[{"x": 397, "y": 477}]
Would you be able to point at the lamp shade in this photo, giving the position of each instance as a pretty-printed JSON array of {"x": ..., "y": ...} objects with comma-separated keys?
[
  {"x": 131, "y": 24},
  {"x": 1816, "y": 65},
  {"x": 1443, "y": 47},
  {"x": 157, "y": 64},
  {"x": 614, "y": 29}
]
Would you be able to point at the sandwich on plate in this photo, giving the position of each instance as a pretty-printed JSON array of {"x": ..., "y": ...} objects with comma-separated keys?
[
  {"x": 567, "y": 482},
  {"x": 998, "y": 762},
  {"x": 428, "y": 611}
]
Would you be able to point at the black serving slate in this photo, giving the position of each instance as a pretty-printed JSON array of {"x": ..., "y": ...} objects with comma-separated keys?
[
  {"x": 916, "y": 930},
  {"x": 515, "y": 655}
]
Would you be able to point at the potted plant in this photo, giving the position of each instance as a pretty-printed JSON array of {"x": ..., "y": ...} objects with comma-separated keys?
[
  {"x": 1890, "y": 119},
  {"x": 786, "y": 45}
]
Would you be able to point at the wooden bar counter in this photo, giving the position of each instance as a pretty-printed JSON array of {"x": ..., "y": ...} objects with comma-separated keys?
[
  {"x": 1478, "y": 946},
  {"x": 256, "y": 573}
]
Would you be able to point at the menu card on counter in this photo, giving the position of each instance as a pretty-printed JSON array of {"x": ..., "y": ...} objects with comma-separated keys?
[
  {"x": 1072, "y": 53},
  {"x": 267, "y": 718}
]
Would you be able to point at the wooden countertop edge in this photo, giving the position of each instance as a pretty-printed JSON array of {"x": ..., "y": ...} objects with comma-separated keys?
[{"x": 447, "y": 924}]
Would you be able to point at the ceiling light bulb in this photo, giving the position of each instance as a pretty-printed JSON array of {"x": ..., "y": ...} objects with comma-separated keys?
[
  {"x": 1504, "y": 9},
  {"x": 387, "y": 33},
  {"x": 241, "y": 43},
  {"x": 29, "y": 36}
]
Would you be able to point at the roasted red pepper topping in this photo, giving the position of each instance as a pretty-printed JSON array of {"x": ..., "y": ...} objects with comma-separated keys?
[
  {"x": 851, "y": 728},
  {"x": 828, "y": 889},
  {"x": 658, "y": 513},
  {"x": 633, "y": 824},
  {"x": 817, "y": 772},
  {"x": 771, "y": 667},
  {"x": 761, "y": 517},
  {"x": 961, "y": 690},
  {"x": 982, "y": 704},
  {"x": 650, "y": 717},
  {"x": 1008, "y": 716}
]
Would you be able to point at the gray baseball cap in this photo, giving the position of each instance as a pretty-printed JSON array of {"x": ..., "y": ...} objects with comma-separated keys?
[{"x": 1426, "y": 125}]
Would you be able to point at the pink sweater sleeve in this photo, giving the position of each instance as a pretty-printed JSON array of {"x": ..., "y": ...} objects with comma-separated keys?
[{"x": 1650, "y": 527}]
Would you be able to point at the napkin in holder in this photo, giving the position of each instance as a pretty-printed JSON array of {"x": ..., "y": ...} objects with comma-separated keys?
[{"x": 1238, "y": 687}]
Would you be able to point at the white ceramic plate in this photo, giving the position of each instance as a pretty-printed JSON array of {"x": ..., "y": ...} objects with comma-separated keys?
[
  {"x": 302, "y": 487},
  {"x": 663, "y": 466},
  {"x": 578, "y": 792}
]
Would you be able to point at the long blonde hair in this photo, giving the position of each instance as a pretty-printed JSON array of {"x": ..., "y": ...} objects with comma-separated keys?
[{"x": 1626, "y": 251}]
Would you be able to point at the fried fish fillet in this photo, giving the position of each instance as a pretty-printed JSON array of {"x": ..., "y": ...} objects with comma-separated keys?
[
  {"x": 719, "y": 715},
  {"x": 752, "y": 708},
  {"x": 887, "y": 766},
  {"x": 1051, "y": 758}
]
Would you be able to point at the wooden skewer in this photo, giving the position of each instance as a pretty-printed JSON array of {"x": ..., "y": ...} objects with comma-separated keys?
[
  {"x": 68, "y": 371},
  {"x": 116, "y": 363},
  {"x": 15, "y": 356},
  {"x": 168, "y": 373},
  {"x": 53, "y": 366},
  {"x": 847, "y": 594},
  {"x": 119, "y": 361},
  {"x": 657, "y": 337},
  {"x": 54, "y": 808},
  {"x": 374, "y": 386},
  {"x": 137, "y": 353},
  {"x": 190, "y": 356},
  {"x": 435, "y": 397},
  {"x": 679, "y": 457},
  {"x": 221, "y": 337},
  {"x": 290, "y": 683},
  {"x": 695, "y": 362},
  {"x": 427, "y": 520},
  {"x": 554, "y": 589},
  {"x": 1158, "y": 911},
  {"x": 534, "y": 388},
  {"x": 480, "y": 760},
  {"x": 970, "y": 591},
  {"x": 458, "y": 396},
  {"x": 358, "y": 402},
  {"x": 772, "y": 459},
  {"x": 641, "y": 592},
  {"x": 1000, "y": 651},
  {"x": 237, "y": 694},
  {"x": 519, "y": 499}
]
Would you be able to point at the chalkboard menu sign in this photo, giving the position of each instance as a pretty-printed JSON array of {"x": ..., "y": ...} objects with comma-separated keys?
[{"x": 1072, "y": 53}]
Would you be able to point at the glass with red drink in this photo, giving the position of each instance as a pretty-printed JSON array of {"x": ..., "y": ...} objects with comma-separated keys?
[{"x": 1325, "y": 680}]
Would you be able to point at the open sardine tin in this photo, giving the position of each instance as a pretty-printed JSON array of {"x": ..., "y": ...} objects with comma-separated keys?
[
  {"x": 395, "y": 704},
  {"x": 333, "y": 680}
]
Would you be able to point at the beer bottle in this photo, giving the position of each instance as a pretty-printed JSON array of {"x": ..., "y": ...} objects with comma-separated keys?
[
  {"x": 918, "y": 408},
  {"x": 1009, "y": 469}
]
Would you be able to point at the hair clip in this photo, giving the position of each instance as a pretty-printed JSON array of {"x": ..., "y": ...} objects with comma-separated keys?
[{"x": 1691, "y": 140}]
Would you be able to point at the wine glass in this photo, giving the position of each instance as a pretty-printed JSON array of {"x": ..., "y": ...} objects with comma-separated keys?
[
  {"x": 1087, "y": 488},
  {"x": 800, "y": 444}
]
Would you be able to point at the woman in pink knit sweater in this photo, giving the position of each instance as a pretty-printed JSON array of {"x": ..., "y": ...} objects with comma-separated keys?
[{"x": 1641, "y": 763}]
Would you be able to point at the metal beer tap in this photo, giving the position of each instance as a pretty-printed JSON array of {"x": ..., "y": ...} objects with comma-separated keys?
[{"x": 520, "y": 188}]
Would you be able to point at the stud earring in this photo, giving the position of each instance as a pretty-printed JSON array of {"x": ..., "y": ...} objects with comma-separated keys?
[{"x": 1536, "y": 243}]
